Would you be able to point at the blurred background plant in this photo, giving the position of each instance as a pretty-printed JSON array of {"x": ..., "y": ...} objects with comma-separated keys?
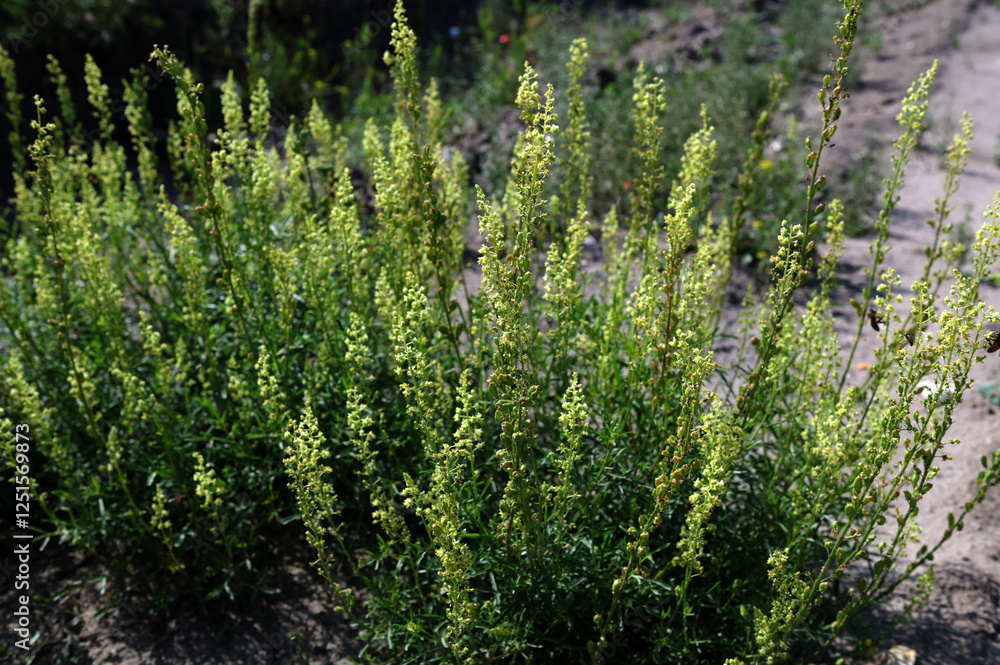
[{"x": 720, "y": 53}]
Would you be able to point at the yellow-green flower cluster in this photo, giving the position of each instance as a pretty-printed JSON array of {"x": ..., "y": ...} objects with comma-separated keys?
[
  {"x": 233, "y": 144},
  {"x": 403, "y": 65},
  {"x": 562, "y": 288},
  {"x": 98, "y": 95},
  {"x": 159, "y": 517},
  {"x": 439, "y": 507},
  {"x": 304, "y": 457},
  {"x": 359, "y": 426},
  {"x": 113, "y": 448},
  {"x": 697, "y": 160},
  {"x": 791, "y": 597},
  {"x": 207, "y": 486},
  {"x": 102, "y": 297},
  {"x": 331, "y": 142},
  {"x": 270, "y": 388},
  {"x": 650, "y": 100},
  {"x": 350, "y": 256},
  {"x": 720, "y": 444},
  {"x": 423, "y": 385},
  {"x": 573, "y": 421},
  {"x": 24, "y": 396},
  {"x": 137, "y": 401},
  {"x": 578, "y": 181}
]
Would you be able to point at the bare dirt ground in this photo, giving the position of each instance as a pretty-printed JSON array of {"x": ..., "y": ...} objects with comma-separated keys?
[{"x": 960, "y": 624}]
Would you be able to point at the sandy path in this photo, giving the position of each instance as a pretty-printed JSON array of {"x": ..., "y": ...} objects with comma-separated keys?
[{"x": 961, "y": 623}]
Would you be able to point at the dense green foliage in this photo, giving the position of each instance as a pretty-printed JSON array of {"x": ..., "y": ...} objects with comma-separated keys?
[{"x": 510, "y": 470}]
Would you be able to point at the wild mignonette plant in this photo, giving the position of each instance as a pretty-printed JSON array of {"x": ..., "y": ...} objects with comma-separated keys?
[{"x": 517, "y": 472}]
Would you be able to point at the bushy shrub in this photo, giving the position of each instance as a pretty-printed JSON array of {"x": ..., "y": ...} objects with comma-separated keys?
[{"x": 513, "y": 472}]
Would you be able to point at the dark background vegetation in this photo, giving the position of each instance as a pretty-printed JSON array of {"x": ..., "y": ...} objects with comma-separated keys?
[
  {"x": 331, "y": 52},
  {"x": 309, "y": 49}
]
